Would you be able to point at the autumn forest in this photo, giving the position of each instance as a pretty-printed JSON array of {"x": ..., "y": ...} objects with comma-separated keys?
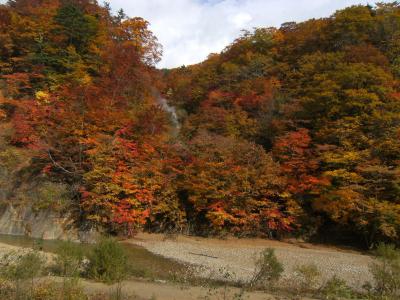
[{"x": 288, "y": 132}]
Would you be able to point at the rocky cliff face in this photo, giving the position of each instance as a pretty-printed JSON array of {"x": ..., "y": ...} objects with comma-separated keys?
[{"x": 23, "y": 221}]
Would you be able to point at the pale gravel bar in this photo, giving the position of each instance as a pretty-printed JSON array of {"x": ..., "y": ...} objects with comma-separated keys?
[{"x": 237, "y": 256}]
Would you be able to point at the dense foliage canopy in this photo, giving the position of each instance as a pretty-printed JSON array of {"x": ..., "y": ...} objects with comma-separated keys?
[{"x": 293, "y": 130}]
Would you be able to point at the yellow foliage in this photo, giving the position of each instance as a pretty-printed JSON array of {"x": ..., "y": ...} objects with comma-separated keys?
[
  {"x": 344, "y": 158},
  {"x": 42, "y": 97},
  {"x": 343, "y": 175}
]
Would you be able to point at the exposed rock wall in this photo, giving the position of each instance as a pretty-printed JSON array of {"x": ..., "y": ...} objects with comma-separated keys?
[{"x": 47, "y": 225}]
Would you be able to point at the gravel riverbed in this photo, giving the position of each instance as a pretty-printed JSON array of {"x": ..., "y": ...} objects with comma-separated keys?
[{"x": 214, "y": 258}]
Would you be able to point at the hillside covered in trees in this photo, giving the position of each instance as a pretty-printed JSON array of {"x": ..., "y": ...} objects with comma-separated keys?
[{"x": 290, "y": 131}]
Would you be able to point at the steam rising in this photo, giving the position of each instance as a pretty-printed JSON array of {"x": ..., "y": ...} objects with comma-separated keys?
[{"x": 171, "y": 111}]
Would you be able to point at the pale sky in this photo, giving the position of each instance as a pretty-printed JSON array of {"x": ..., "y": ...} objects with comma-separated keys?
[{"x": 190, "y": 30}]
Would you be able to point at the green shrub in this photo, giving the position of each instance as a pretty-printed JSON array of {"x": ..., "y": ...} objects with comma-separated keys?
[
  {"x": 336, "y": 288},
  {"x": 69, "y": 264},
  {"x": 306, "y": 277},
  {"x": 69, "y": 260},
  {"x": 11, "y": 160},
  {"x": 268, "y": 269},
  {"x": 386, "y": 271},
  {"x": 108, "y": 261},
  {"x": 50, "y": 195}
]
